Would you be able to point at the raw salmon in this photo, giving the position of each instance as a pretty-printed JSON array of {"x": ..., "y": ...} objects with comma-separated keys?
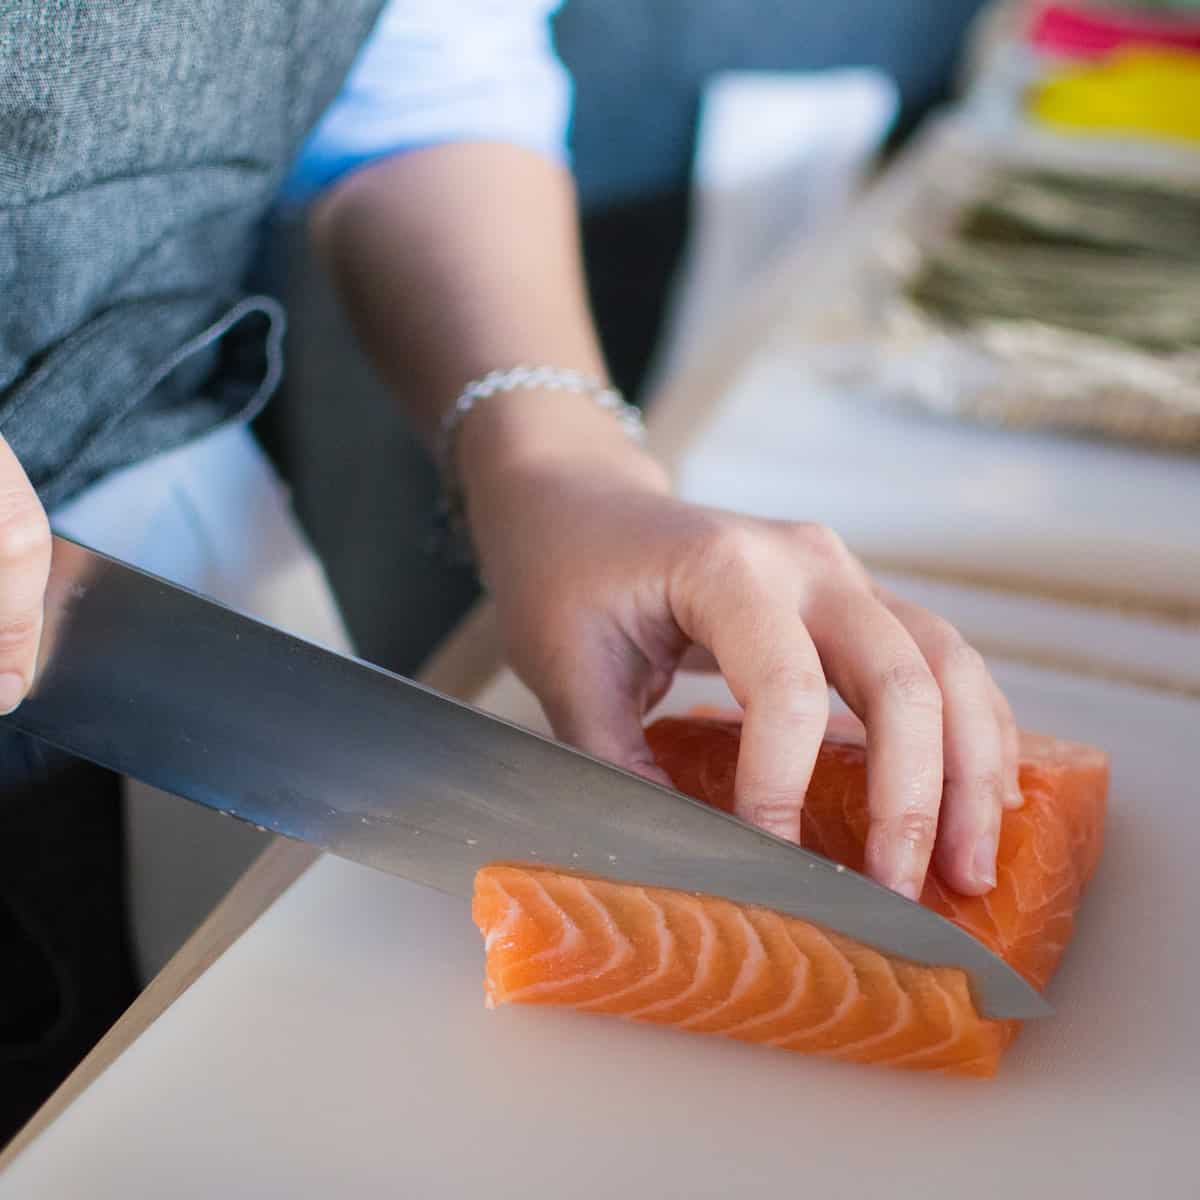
[{"x": 710, "y": 965}]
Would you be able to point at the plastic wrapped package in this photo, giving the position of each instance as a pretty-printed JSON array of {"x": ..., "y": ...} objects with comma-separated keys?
[{"x": 1025, "y": 283}]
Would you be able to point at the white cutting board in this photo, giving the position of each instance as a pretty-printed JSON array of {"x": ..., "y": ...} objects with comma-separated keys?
[{"x": 341, "y": 1048}]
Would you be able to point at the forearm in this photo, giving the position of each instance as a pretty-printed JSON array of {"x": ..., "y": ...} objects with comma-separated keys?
[{"x": 460, "y": 259}]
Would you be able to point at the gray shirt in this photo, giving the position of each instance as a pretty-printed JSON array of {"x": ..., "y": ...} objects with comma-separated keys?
[{"x": 141, "y": 144}]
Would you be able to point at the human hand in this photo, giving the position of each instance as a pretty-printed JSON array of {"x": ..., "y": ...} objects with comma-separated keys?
[
  {"x": 603, "y": 581},
  {"x": 24, "y": 568}
]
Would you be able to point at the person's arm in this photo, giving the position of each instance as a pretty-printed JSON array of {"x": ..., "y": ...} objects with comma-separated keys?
[
  {"x": 484, "y": 239},
  {"x": 460, "y": 259},
  {"x": 25, "y": 550}
]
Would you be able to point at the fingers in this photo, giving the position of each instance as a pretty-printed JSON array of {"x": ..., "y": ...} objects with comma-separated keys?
[
  {"x": 881, "y": 674},
  {"x": 978, "y": 752},
  {"x": 598, "y": 702},
  {"x": 1011, "y": 737},
  {"x": 779, "y": 684},
  {"x": 746, "y": 613},
  {"x": 24, "y": 568},
  {"x": 784, "y": 610}
]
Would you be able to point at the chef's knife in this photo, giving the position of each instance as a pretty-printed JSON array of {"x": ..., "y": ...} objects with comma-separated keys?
[{"x": 170, "y": 688}]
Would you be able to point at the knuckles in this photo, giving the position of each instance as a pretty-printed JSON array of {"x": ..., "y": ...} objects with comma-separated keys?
[
  {"x": 734, "y": 550},
  {"x": 914, "y": 826},
  {"x": 795, "y": 694},
  {"x": 989, "y": 790},
  {"x": 755, "y": 550},
  {"x": 18, "y": 632},
  {"x": 781, "y": 817},
  {"x": 821, "y": 543},
  {"x": 961, "y": 657},
  {"x": 24, "y": 528},
  {"x": 912, "y": 685},
  {"x": 949, "y": 653}
]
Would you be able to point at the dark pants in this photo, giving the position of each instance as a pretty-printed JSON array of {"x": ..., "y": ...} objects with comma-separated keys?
[{"x": 66, "y": 971}]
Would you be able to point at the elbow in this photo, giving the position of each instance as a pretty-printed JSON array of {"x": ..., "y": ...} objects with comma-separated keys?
[
  {"x": 338, "y": 215},
  {"x": 322, "y": 226}
]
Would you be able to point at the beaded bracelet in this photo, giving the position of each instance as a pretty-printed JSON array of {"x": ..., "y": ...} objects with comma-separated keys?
[{"x": 453, "y": 536}]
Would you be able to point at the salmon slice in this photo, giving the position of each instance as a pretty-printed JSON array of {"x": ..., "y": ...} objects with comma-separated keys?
[{"x": 710, "y": 965}]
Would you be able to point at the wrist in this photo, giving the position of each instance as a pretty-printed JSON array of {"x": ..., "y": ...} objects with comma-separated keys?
[{"x": 529, "y": 435}]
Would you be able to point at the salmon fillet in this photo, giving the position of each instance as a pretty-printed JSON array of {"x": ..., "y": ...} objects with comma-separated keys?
[{"x": 710, "y": 965}]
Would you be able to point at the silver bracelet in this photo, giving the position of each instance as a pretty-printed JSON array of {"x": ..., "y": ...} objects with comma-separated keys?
[{"x": 454, "y": 536}]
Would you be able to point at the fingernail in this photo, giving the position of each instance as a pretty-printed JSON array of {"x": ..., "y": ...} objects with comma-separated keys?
[
  {"x": 12, "y": 691},
  {"x": 984, "y": 864},
  {"x": 1014, "y": 799},
  {"x": 909, "y": 889}
]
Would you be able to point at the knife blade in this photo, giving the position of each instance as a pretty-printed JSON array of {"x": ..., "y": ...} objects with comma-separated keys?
[{"x": 168, "y": 687}]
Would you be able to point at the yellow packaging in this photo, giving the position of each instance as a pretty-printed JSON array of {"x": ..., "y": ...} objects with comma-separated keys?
[{"x": 1148, "y": 93}]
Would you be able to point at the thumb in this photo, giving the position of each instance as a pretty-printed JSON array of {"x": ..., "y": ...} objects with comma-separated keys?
[
  {"x": 598, "y": 708},
  {"x": 25, "y": 549}
]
